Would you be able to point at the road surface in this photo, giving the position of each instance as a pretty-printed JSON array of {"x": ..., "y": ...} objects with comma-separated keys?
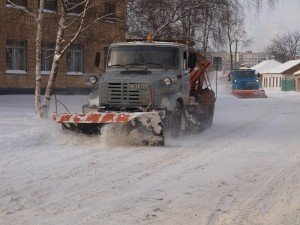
[{"x": 244, "y": 170}]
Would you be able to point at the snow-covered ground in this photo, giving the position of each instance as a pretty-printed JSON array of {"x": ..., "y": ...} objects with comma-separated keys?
[{"x": 244, "y": 170}]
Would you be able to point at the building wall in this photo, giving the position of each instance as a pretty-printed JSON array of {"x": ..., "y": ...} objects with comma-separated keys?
[
  {"x": 17, "y": 25},
  {"x": 292, "y": 70},
  {"x": 297, "y": 80},
  {"x": 250, "y": 58},
  {"x": 272, "y": 80},
  {"x": 247, "y": 59}
]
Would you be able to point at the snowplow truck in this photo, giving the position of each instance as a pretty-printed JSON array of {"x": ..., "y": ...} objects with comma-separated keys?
[
  {"x": 152, "y": 88},
  {"x": 246, "y": 84}
]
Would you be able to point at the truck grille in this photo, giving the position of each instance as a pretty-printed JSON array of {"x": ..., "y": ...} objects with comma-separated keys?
[{"x": 125, "y": 94}]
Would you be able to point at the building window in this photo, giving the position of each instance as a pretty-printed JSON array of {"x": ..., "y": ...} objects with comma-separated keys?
[
  {"x": 75, "y": 60},
  {"x": 49, "y": 5},
  {"x": 111, "y": 12},
  {"x": 15, "y": 56},
  {"x": 22, "y": 3},
  {"x": 75, "y": 6},
  {"x": 47, "y": 57}
]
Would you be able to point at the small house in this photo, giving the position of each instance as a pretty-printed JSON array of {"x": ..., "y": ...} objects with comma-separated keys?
[
  {"x": 297, "y": 80},
  {"x": 265, "y": 66},
  {"x": 282, "y": 76}
]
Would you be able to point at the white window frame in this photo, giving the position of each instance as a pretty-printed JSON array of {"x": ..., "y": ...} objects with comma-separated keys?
[
  {"x": 112, "y": 18},
  {"x": 13, "y": 70},
  {"x": 50, "y": 10},
  {"x": 9, "y": 5},
  {"x": 46, "y": 48},
  {"x": 72, "y": 50},
  {"x": 74, "y": 4}
]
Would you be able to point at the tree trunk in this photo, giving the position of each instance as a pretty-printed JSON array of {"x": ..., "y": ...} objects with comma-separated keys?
[
  {"x": 54, "y": 69},
  {"x": 230, "y": 46},
  {"x": 38, "y": 54},
  {"x": 235, "y": 54}
]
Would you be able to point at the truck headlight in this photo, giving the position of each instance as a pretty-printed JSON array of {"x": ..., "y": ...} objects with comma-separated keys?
[
  {"x": 93, "y": 79},
  {"x": 167, "y": 81},
  {"x": 235, "y": 81},
  {"x": 257, "y": 81}
]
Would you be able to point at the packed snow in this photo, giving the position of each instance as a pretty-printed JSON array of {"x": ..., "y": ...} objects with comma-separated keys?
[
  {"x": 266, "y": 66},
  {"x": 283, "y": 67},
  {"x": 244, "y": 170}
]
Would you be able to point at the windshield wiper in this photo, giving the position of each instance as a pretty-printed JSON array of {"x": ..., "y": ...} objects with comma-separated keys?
[
  {"x": 119, "y": 65},
  {"x": 157, "y": 64},
  {"x": 137, "y": 64}
]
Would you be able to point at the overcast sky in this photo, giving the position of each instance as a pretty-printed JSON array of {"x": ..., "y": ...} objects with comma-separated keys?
[{"x": 270, "y": 22}]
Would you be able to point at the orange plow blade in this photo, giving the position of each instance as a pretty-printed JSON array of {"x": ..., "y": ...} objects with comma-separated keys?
[
  {"x": 147, "y": 126},
  {"x": 249, "y": 93},
  {"x": 99, "y": 117}
]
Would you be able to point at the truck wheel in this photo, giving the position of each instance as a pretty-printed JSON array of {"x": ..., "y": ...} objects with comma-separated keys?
[
  {"x": 175, "y": 121},
  {"x": 69, "y": 127},
  {"x": 209, "y": 118}
]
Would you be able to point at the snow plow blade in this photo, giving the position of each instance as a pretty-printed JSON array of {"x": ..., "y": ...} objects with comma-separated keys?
[
  {"x": 249, "y": 93},
  {"x": 147, "y": 124}
]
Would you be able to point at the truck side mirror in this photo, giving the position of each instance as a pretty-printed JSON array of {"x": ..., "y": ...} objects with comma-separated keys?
[
  {"x": 97, "y": 59},
  {"x": 192, "y": 60}
]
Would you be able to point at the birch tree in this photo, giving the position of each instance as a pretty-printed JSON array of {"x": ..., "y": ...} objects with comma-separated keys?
[
  {"x": 69, "y": 29},
  {"x": 75, "y": 18},
  {"x": 38, "y": 17},
  {"x": 233, "y": 25}
]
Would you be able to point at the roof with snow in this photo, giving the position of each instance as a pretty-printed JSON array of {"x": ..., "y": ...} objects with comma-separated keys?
[
  {"x": 265, "y": 66},
  {"x": 145, "y": 43},
  {"x": 284, "y": 67},
  {"x": 297, "y": 73}
]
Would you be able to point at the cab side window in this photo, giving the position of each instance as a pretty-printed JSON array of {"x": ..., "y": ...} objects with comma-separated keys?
[{"x": 185, "y": 60}]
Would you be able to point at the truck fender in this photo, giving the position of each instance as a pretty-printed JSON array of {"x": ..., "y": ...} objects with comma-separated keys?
[
  {"x": 169, "y": 102},
  {"x": 93, "y": 99}
]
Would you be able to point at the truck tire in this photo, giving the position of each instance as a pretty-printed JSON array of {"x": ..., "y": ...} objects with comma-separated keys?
[
  {"x": 209, "y": 116},
  {"x": 175, "y": 120}
]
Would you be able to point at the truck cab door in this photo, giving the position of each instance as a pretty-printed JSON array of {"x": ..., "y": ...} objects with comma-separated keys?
[{"x": 184, "y": 77}]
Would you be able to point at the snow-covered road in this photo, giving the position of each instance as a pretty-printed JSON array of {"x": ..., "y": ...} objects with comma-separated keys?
[{"x": 244, "y": 170}]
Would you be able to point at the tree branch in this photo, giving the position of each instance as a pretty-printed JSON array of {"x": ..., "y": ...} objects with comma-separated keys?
[
  {"x": 29, "y": 12},
  {"x": 79, "y": 28}
]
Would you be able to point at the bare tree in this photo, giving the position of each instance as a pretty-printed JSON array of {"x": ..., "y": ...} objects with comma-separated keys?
[
  {"x": 38, "y": 16},
  {"x": 190, "y": 20},
  {"x": 69, "y": 29},
  {"x": 285, "y": 47},
  {"x": 75, "y": 18},
  {"x": 196, "y": 21},
  {"x": 233, "y": 24}
]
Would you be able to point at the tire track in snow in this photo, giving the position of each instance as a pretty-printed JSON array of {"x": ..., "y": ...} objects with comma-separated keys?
[
  {"x": 173, "y": 157},
  {"x": 181, "y": 155},
  {"x": 245, "y": 209}
]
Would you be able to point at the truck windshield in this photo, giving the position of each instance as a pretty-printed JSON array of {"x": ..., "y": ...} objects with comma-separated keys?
[
  {"x": 245, "y": 74},
  {"x": 149, "y": 56}
]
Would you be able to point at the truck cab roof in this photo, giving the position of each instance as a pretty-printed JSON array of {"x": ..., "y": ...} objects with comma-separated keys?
[{"x": 154, "y": 43}]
